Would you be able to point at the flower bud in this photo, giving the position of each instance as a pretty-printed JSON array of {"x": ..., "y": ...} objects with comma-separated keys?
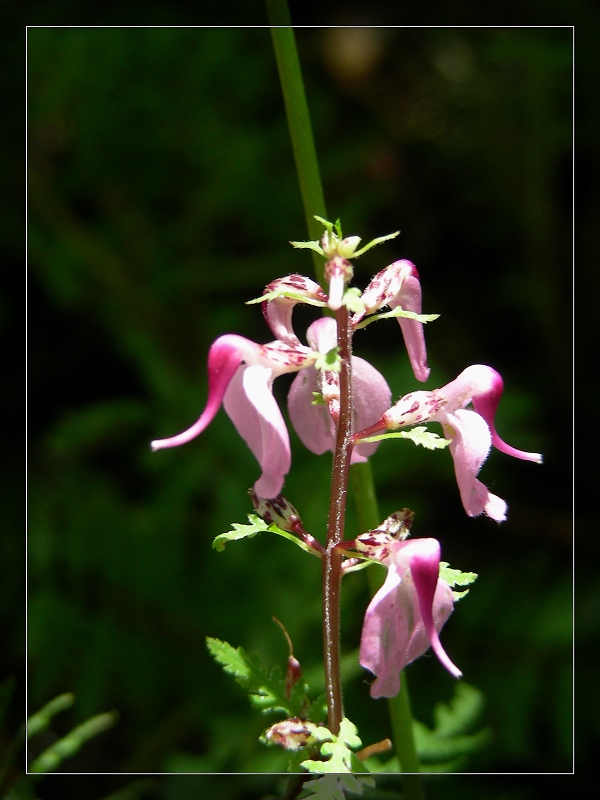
[
  {"x": 292, "y": 675},
  {"x": 376, "y": 543},
  {"x": 278, "y": 511},
  {"x": 412, "y": 408},
  {"x": 347, "y": 246},
  {"x": 292, "y": 733}
]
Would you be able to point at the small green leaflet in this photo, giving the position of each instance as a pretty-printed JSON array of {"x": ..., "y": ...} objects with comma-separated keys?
[
  {"x": 353, "y": 300},
  {"x": 419, "y": 435},
  {"x": 329, "y": 361},
  {"x": 276, "y": 293},
  {"x": 338, "y": 750},
  {"x": 265, "y": 687},
  {"x": 257, "y": 525},
  {"x": 454, "y": 577},
  {"x": 70, "y": 744},
  {"x": 397, "y": 312},
  {"x": 445, "y": 748},
  {"x": 334, "y": 787}
]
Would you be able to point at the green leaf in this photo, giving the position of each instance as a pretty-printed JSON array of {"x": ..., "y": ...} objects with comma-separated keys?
[
  {"x": 353, "y": 300},
  {"x": 376, "y": 241},
  {"x": 335, "y": 787},
  {"x": 419, "y": 436},
  {"x": 330, "y": 360},
  {"x": 277, "y": 293},
  {"x": 70, "y": 744},
  {"x": 257, "y": 525},
  {"x": 451, "y": 741},
  {"x": 41, "y": 720},
  {"x": 454, "y": 577},
  {"x": 396, "y": 312},
  {"x": 267, "y": 688},
  {"x": 239, "y": 531},
  {"x": 309, "y": 246},
  {"x": 337, "y": 750}
]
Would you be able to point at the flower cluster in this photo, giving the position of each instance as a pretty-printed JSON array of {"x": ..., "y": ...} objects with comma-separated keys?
[
  {"x": 241, "y": 372},
  {"x": 406, "y": 615}
]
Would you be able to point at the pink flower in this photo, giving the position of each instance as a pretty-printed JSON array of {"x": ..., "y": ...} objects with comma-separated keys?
[
  {"x": 398, "y": 285},
  {"x": 315, "y": 423},
  {"x": 471, "y": 432},
  {"x": 406, "y": 615},
  {"x": 240, "y": 376}
]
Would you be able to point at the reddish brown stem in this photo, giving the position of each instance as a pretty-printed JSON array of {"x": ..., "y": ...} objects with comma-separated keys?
[{"x": 332, "y": 556}]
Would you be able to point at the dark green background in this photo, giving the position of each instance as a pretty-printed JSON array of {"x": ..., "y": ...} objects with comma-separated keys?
[{"x": 162, "y": 195}]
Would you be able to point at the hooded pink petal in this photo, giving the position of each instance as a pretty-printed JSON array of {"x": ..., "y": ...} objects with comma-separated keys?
[
  {"x": 398, "y": 285},
  {"x": 483, "y": 386},
  {"x": 250, "y": 404},
  {"x": 485, "y": 401},
  {"x": 278, "y": 312},
  {"x": 224, "y": 357}
]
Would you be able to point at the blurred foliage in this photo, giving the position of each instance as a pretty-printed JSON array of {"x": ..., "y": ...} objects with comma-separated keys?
[{"x": 162, "y": 196}]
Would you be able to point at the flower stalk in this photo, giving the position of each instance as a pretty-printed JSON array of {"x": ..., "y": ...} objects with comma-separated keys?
[
  {"x": 307, "y": 167},
  {"x": 332, "y": 558}
]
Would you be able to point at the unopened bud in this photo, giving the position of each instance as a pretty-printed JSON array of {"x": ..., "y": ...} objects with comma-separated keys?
[
  {"x": 412, "y": 408},
  {"x": 292, "y": 734},
  {"x": 278, "y": 511},
  {"x": 347, "y": 247},
  {"x": 376, "y": 543},
  {"x": 292, "y": 675}
]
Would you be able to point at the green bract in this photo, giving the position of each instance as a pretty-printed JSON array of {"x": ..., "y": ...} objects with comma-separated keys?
[
  {"x": 335, "y": 243},
  {"x": 256, "y": 525},
  {"x": 419, "y": 436}
]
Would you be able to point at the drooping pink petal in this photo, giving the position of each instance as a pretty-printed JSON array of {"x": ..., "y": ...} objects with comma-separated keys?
[
  {"x": 250, "y": 404},
  {"x": 409, "y": 298},
  {"x": 470, "y": 444},
  {"x": 385, "y": 629},
  {"x": 424, "y": 559},
  {"x": 313, "y": 422},
  {"x": 224, "y": 357},
  {"x": 372, "y": 396}
]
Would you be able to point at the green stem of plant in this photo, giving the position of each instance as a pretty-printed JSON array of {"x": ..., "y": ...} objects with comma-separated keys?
[
  {"x": 298, "y": 117},
  {"x": 313, "y": 201}
]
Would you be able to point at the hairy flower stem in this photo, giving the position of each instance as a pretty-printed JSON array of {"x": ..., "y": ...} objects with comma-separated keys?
[{"x": 332, "y": 557}]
